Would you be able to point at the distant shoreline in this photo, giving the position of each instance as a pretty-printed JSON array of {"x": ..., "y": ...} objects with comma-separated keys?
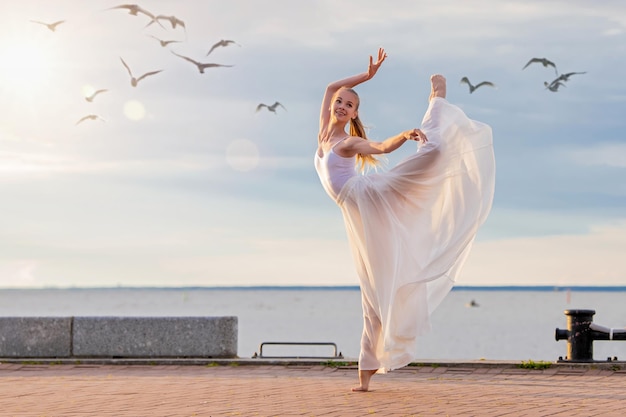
[{"x": 551, "y": 288}]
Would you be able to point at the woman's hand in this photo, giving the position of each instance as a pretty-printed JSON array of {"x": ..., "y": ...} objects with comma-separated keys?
[
  {"x": 349, "y": 82},
  {"x": 373, "y": 67},
  {"x": 416, "y": 135}
]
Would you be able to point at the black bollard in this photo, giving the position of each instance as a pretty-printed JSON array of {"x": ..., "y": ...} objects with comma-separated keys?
[{"x": 578, "y": 334}]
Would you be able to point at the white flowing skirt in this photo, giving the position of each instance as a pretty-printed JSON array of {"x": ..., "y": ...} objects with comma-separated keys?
[{"x": 411, "y": 229}]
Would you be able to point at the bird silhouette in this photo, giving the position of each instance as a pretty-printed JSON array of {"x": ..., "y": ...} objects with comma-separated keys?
[
  {"x": 174, "y": 21},
  {"x": 554, "y": 85},
  {"x": 135, "y": 9},
  {"x": 474, "y": 87},
  {"x": 271, "y": 108},
  {"x": 94, "y": 94},
  {"x": 544, "y": 61},
  {"x": 134, "y": 81},
  {"x": 472, "y": 303},
  {"x": 201, "y": 66},
  {"x": 51, "y": 26},
  {"x": 223, "y": 42},
  {"x": 560, "y": 81},
  {"x": 89, "y": 117},
  {"x": 162, "y": 42},
  {"x": 565, "y": 77}
]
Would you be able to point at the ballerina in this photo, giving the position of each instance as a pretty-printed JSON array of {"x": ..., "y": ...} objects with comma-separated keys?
[{"x": 411, "y": 227}]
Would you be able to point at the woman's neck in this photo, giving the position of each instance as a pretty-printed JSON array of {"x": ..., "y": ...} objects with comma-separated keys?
[{"x": 337, "y": 130}]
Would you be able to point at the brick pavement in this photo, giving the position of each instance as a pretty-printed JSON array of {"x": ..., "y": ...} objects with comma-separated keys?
[{"x": 306, "y": 390}]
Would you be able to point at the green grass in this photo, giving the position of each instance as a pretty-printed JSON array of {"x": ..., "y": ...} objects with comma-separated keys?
[
  {"x": 535, "y": 365},
  {"x": 337, "y": 364},
  {"x": 420, "y": 364}
]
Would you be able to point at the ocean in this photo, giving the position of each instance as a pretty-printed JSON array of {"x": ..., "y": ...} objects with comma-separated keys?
[{"x": 472, "y": 323}]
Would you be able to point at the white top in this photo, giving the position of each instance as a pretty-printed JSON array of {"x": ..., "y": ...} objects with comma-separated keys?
[{"x": 334, "y": 170}]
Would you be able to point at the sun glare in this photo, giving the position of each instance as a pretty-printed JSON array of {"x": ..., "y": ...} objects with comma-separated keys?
[
  {"x": 25, "y": 67},
  {"x": 134, "y": 110}
]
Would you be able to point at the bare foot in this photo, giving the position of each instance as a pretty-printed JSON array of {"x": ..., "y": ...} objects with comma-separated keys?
[
  {"x": 438, "y": 86},
  {"x": 364, "y": 380}
]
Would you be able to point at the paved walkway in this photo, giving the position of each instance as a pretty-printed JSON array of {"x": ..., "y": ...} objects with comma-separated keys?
[{"x": 306, "y": 390}]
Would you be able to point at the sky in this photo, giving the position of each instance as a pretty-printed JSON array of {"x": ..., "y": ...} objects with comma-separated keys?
[{"x": 179, "y": 181}]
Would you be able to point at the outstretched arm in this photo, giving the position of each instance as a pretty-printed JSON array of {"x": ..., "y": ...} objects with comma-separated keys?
[
  {"x": 355, "y": 145},
  {"x": 349, "y": 82}
]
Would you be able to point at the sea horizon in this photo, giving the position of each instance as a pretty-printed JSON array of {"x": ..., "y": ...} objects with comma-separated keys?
[
  {"x": 612, "y": 288},
  {"x": 509, "y": 322}
]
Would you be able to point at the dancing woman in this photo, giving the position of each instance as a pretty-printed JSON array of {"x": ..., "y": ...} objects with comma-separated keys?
[{"x": 411, "y": 227}]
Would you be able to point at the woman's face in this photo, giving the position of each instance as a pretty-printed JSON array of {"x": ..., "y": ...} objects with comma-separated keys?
[{"x": 344, "y": 106}]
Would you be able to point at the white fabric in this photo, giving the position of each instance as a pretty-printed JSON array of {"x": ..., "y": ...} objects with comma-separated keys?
[
  {"x": 334, "y": 171},
  {"x": 411, "y": 228}
]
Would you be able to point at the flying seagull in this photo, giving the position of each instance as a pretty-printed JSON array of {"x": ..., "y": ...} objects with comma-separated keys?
[
  {"x": 271, "y": 108},
  {"x": 135, "y": 9},
  {"x": 134, "y": 81},
  {"x": 51, "y": 26},
  {"x": 474, "y": 87},
  {"x": 201, "y": 66},
  {"x": 554, "y": 85},
  {"x": 162, "y": 42},
  {"x": 565, "y": 77},
  {"x": 95, "y": 93},
  {"x": 223, "y": 42},
  {"x": 544, "y": 61},
  {"x": 174, "y": 21},
  {"x": 560, "y": 80},
  {"x": 89, "y": 117}
]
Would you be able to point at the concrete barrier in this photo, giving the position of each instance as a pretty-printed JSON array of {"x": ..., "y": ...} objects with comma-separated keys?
[
  {"x": 118, "y": 337},
  {"x": 35, "y": 337},
  {"x": 132, "y": 337}
]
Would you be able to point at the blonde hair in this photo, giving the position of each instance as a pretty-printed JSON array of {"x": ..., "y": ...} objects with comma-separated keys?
[{"x": 357, "y": 129}]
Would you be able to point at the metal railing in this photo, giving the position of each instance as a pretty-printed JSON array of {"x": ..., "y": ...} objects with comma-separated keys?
[{"x": 335, "y": 354}]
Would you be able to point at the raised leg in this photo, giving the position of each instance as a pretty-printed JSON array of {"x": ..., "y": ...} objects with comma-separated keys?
[
  {"x": 437, "y": 86},
  {"x": 430, "y": 122}
]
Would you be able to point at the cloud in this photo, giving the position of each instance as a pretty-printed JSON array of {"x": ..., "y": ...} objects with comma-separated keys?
[
  {"x": 18, "y": 273},
  {"x": 17, "y": 166},
  {"x": 142, "y": 185},
  {"x": 606, "y": 154},
  {"x": 270, "y": 262},
  {"x": 594, "y": 258}
]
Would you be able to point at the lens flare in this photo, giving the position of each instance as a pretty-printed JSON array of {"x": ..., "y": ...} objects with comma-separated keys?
[{"x": 242, "y": 155}]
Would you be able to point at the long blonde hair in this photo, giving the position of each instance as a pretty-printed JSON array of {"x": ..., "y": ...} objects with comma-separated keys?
[{"x": 357, "y": 129}]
